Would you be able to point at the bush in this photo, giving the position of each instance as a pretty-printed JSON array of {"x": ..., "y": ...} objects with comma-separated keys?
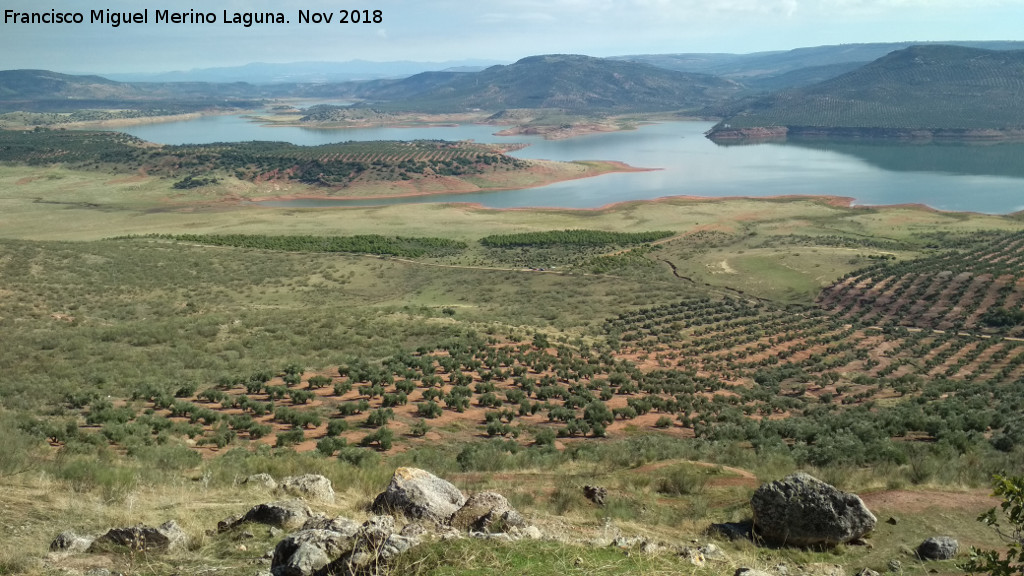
[
  {"x": 337, "y": 426},
  {"x": 1011, "y": 489},
  {"x": 682, "y": 480},
  {"x": 290, "y": 438},
  {"x": 419, "y": 428},
  {"x": 428, "y": 410}
]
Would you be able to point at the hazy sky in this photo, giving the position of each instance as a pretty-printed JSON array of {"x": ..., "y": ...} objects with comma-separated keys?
[{"x": 442, "y": 30}]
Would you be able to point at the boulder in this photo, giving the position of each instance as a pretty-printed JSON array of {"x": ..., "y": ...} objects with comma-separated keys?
[
  {"x": 68, "y": 541},
  {"x": 313, "y": 487},
  {"x": 164, "y": 538},
  {"x": 801, "y": 510},
  {"x": 732, "y": 530},
  {"x": 287, "y": 514},
  {"x": 596, "y": 494},
  {"x": 316, "y": 552},
  {"x": 938, "y": 548},
  {"x": 484, "y": 509},
  {"x": 418, "y": 494},
  {"x": 308, "y": 552},
  {"x": 340, "y": 524},
  {"x": 262, "y": 480}
]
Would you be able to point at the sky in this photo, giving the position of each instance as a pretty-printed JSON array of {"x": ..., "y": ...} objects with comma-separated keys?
[{"x": 498, "y": 30}]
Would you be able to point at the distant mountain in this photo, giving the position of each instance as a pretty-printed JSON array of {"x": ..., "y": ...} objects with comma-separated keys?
[
  {"x": 46, "y": 91},
  {"x": 792, "y": 68},
  {"x": 34, "y": 84},
  {"x": 929, "y": 88},
  {"x": 307, "y": 72},
  {"x": 568, "y": 82}
]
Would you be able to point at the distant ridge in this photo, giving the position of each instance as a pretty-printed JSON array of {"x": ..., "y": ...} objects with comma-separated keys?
[
  {"x": 797, "y": 67},
  {"x": 929, "y": 89},
  {"x": 572, "y": 83},
  {"x": 307, "y": 72}
]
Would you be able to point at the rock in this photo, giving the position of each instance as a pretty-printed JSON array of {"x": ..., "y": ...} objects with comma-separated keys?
[
  {"x": 313, "y": 487},
  {"x": 732, "y": 530},
  {"x": 893, "y": 521},
  {"x": 374, "y": 546},
  {"x": 418, "y": 494},
  {"x": 525, "y": 533},
  {"x": 415, "y": 530},
  {"x": 261, "y": 480},
  {"x": 68, "y": 541},
  {"x": 712, "y": 553},
  {"x": 868, "y": 572},
  {"x": 164, "y": 538},
  {"x": 484, "y": 509},
  {"x": 895, "y": 566},
  {"x": 340, "y": 524},
  {"x": 744, "y": 571},
  {"x": 596, "y": 494},
  {"x": 938, "y": 548},
  {"x": 694, "y": 556},
  {"x": 287, "y": 514},
  {"x": 229, "y": 523},
  {"x": 308, "y": 552},
  {"x": 353, "y": 550},
  {"x": 801, "y": 510}
]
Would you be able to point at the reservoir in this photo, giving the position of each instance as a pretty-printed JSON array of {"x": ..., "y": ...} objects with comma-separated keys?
[{"x": 957, "y": 177}]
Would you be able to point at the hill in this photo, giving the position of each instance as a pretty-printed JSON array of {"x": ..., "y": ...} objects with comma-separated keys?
[
  {"x": 921, "y": 91},
  {"x": 570, "y": 82},
  {"x": 47, "y": 91},
  {"x": 306, "y": 72},
  {"x": 791, "y": 68}
]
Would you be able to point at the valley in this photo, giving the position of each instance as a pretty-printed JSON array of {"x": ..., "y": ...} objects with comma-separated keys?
[{"x": 538, "y": 279}]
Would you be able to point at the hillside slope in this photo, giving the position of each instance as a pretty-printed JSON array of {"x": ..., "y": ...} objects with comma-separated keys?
[
  {"x": 938, "y": 90},
  {"x": 572, "y": 82}
]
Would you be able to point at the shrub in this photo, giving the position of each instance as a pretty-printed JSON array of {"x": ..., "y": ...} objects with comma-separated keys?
[
  {"x": 336, "y": 426},
  {"x": 428, "y": 410},
  {"x": 1011, "y": 489},
  {"x": 420, "y": 428}
]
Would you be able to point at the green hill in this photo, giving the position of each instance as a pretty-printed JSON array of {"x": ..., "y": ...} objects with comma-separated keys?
[
  {"x": 935, "y": 89},
  {"x": 574, "y": 83}
]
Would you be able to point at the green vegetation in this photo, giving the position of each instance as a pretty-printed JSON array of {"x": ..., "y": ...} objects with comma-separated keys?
[
  {"x": 571, "y": 238},
  {"x": 1011, "y": 490},
  {"x": 930, "y": 87},
  {"x": 359, "y": 244},
  {"x": 328, "y": 164},
  {"x": 147, "y": 367}
]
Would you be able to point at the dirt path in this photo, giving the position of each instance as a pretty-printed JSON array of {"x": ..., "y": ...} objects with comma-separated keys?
[{"x": 909, "y": 502}]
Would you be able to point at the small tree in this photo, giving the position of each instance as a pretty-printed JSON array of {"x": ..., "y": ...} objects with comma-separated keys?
[{"x": 1011, "y": 489}]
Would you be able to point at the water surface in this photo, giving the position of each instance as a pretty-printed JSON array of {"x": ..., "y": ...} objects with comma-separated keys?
[{"x": 980, "y": 178}]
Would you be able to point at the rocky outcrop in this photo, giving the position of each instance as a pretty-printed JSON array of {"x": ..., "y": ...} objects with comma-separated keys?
[
  {"x": 938, "y": 548},
  {"x": 418, "y": 494},
  {"x": 484, "y": 509},
  {"x": 262, "y": 480},
  {"x": 316, "y": 552},
  {"x": 801, "y": 510},
  {"x": 312, "y": 487},
  {"x": 69, "y": 541},
  {"x": 286, "y": 514},
  {"x": 167, "y": 537}
]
